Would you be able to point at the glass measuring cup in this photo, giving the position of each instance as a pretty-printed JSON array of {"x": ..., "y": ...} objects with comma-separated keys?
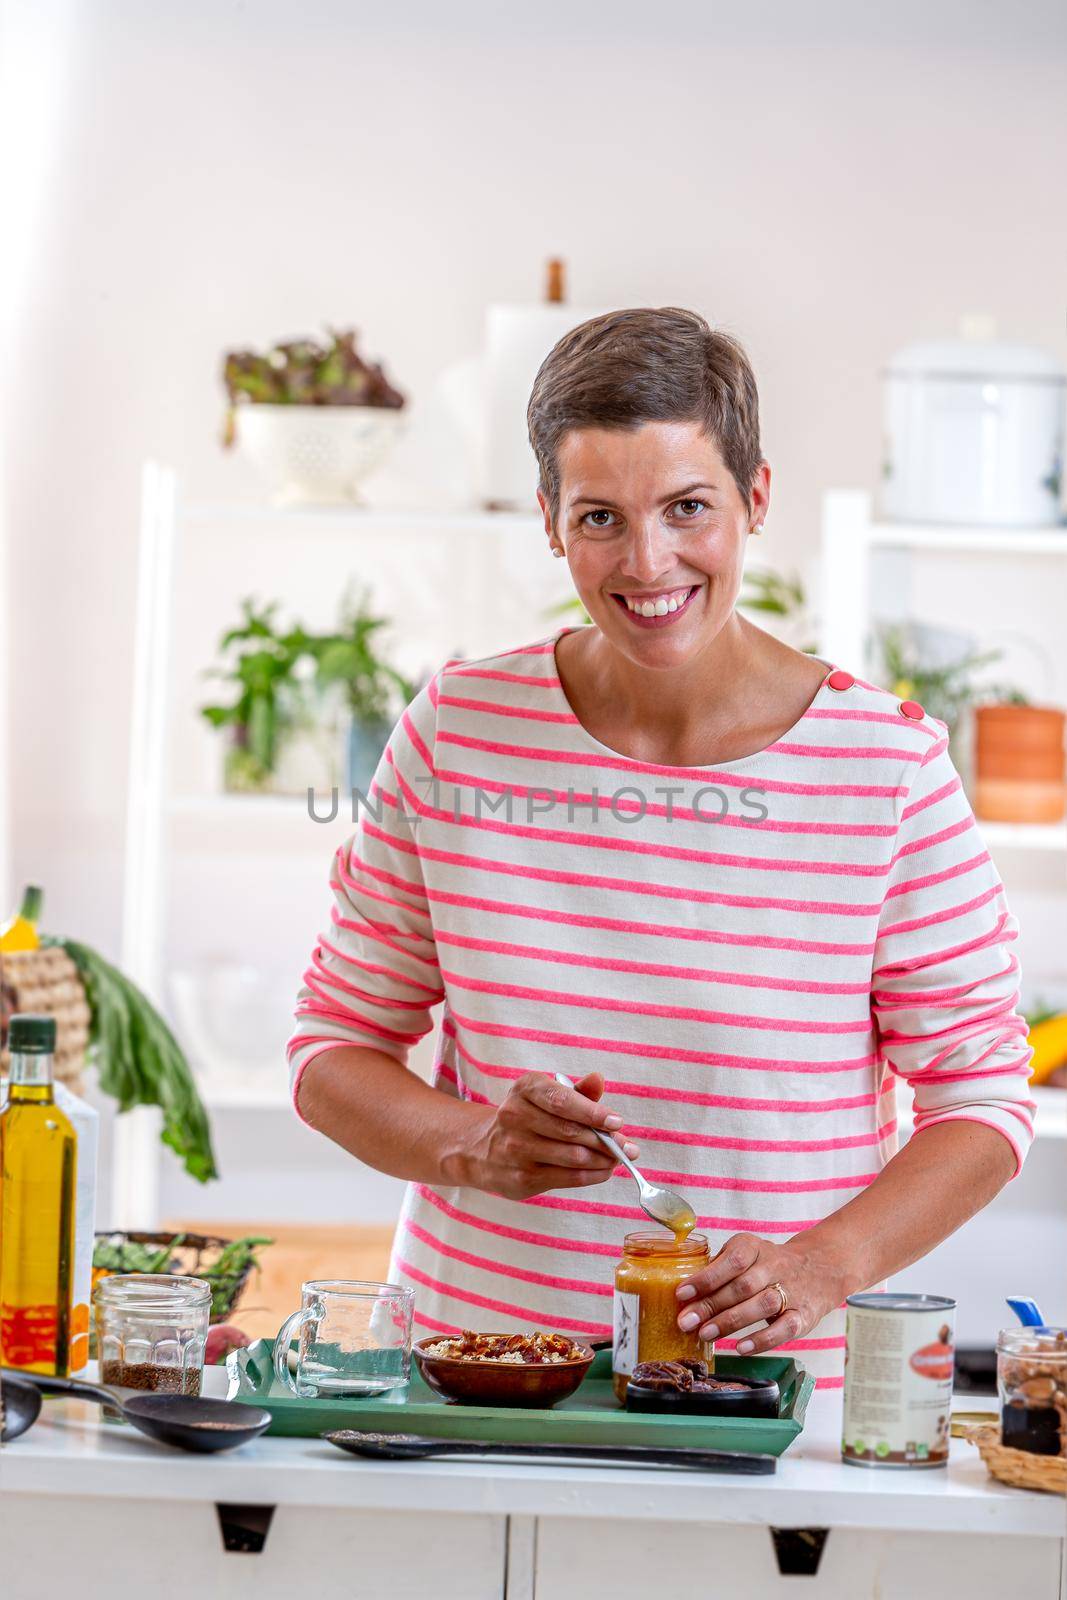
[{"x": 355, "y": 1339}]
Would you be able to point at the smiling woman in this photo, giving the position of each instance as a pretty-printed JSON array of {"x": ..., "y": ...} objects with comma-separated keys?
[
  {"x": 742, "y": 984},
  {"x": 646, "y": 430}
]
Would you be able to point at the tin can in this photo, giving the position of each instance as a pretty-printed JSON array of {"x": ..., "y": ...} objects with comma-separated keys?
[{"x": 899, "y": 1360}]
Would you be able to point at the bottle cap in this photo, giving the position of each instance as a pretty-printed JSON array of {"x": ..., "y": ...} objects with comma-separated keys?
[{"x": 30, "y": 1033}]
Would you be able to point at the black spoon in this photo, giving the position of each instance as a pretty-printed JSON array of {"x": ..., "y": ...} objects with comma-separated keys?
[
  {"x": 417, "y": 1447},
  {"x": 22, "y": 1405},
  {"x": 186, "y": 1421}
]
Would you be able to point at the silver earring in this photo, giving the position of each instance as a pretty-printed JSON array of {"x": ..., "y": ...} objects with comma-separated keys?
[{"x": 556, "y": 551}]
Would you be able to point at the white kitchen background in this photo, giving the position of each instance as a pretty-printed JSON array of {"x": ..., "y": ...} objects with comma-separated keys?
[{"x": 830, "y": 182}]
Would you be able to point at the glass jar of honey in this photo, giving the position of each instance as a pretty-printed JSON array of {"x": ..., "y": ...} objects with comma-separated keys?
[{"x": 645, "y": 1321}]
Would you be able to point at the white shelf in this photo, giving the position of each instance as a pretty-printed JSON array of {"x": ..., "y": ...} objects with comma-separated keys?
[
  {"x": 269, "y": 825},
  {"x": 1051, "y": 541},
  {"x": 271, "y": 1093},
  {"x": 355, "y": 520},
  {"x": 851, "y": 537},
  {"x": 969, "y": 541},
  {"x": 1050, "y": 1118},
  {"x": 1024, "y": 835},
  {"x": 241, "y": 807}
]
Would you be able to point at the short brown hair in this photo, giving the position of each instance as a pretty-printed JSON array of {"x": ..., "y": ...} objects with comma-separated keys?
[{"x": 631, "y": 367}]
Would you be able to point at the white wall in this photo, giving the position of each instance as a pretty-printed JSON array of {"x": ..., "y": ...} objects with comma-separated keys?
[{"x": 827, "y": 180}]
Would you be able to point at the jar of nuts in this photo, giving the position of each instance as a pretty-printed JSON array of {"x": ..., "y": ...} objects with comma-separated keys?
[{"x": 1032, "y": 1384}]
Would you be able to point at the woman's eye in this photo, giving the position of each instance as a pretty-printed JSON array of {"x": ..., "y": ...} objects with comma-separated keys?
[
  {"x": 688, "y": 508},
  {"x": 601, "y": 518}
]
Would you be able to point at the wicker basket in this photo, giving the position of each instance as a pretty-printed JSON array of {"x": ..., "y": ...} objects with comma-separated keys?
[
  {"x": 1019, "y": 1468},
  {"x": 48, "y": 982},
  {"x": 188, "y": 1258}
]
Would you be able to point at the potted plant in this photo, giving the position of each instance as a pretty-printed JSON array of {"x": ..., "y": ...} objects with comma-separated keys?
[
  {"x": 944, "y": 673},
  {"x": 1019, "y": 763},
  {"x": 266, "y": 702},
  {"x": 316, "y": 419},
  {"x": 374, "y": 691}
]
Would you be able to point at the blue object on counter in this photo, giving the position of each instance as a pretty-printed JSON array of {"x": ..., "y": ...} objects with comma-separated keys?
[{"x": 1026, "y": 1311}]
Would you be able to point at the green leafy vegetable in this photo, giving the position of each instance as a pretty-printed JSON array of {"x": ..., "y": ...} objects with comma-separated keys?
[
  {"x": 232, "y": 1262},
  {"x": 303, "y": 373},
  {"x": 139, "y": 1060},
  {"x": 118, "y": 1254},
  {"x": 128, "y": 1255}
]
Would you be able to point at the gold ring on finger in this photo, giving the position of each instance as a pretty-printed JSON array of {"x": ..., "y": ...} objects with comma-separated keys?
[{"x": 783, "y": 1297}]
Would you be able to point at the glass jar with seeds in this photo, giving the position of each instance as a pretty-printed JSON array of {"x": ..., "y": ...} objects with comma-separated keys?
[{"x": 151, "y": 1331}]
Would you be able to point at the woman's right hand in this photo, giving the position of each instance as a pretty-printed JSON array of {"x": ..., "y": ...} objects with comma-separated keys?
[{"x": 540, "y": 1137}]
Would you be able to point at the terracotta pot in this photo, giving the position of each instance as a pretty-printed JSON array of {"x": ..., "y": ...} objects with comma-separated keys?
[{"x": 1019, "y": 761}]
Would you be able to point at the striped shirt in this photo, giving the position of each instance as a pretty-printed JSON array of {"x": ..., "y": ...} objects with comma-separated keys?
[{"x": 752, "y": 953}]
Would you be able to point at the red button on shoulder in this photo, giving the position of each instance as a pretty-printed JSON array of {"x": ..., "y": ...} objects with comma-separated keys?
[
  {"x": 840, "y": 680},
  {"x": 912, "y": 709}
]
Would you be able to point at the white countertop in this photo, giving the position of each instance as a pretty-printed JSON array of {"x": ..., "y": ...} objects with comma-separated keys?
[{"x": 71, "y": 1452}]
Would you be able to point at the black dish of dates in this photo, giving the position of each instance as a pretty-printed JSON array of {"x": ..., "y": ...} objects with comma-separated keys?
[{"x": 688, "y": 1387}]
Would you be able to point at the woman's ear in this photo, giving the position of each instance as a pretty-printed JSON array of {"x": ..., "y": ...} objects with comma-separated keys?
[
  {"x": 554, "y": 544},
  {"x": 760, "y": 498}
]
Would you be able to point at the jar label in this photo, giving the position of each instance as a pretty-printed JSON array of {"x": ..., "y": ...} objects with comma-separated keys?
[{"x": 626, "y": 1315}]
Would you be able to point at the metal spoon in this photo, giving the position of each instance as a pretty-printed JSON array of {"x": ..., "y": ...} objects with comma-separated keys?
[
  {"x": 417, "y": 1447},
  {"x": 187, "y": 1421},
  {"x": 662, "y": 1205}
]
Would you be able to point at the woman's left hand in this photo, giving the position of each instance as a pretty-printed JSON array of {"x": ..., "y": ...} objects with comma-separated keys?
[{"x": 740, "y": 1288}]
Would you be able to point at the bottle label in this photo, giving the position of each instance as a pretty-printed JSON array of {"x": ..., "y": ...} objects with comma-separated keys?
[
  {"x": 626, "y": 1315},
  {"x": 29, "y": 1335}
]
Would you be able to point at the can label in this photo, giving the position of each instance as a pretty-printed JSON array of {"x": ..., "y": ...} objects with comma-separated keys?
[{"x": 899, "y": 1363}]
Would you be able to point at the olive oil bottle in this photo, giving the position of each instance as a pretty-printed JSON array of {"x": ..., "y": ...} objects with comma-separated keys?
[{"x": 38, "y": 1171}]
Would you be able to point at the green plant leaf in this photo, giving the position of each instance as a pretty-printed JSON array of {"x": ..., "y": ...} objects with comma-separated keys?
[
  {"x": 139, "y": 1061},
  {"x": 305, "y": 372}
]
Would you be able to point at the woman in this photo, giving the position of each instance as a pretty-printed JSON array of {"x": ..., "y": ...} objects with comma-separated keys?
[{"x": 730, "y": 889}]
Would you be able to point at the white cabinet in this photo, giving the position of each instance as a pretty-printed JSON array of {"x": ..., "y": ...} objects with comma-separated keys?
[{"x": 638, "y": 1560}]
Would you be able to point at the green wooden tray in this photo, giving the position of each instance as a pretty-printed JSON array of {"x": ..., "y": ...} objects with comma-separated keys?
[{"x": 590, "y": 1416}]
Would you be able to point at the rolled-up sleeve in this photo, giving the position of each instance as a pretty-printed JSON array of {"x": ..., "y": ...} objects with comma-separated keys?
[
  {"x": 373, "y": 977},
  {"x": 946, "y": 977}
]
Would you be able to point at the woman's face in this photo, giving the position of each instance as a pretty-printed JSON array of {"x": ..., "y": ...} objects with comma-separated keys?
[{"x": 651, "y": 520}]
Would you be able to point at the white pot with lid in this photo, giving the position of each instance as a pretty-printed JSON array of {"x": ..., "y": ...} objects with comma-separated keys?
[{"x": 973, "y": 434}]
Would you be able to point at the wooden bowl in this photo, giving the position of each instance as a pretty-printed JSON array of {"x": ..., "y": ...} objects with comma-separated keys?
[{"x": 500, "y": 1383}]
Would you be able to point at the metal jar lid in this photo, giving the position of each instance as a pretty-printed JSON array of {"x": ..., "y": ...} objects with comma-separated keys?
[{"x": 871, "y": 1301}]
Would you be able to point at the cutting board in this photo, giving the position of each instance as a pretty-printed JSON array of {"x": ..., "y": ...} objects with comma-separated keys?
[{"x": 590, "y": 1416}]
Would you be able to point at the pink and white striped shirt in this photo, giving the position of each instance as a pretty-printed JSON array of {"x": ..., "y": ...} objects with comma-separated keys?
[{"x": 752, "y": 953}]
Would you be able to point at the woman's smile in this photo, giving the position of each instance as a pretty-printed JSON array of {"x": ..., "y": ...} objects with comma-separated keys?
[{"x": 655, "y": 608}]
